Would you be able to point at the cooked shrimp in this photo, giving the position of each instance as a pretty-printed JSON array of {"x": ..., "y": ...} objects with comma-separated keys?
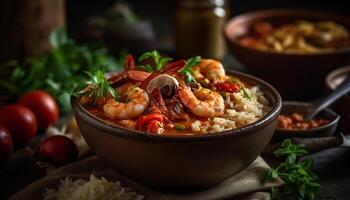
[
  {"x": 210, "y": 69},
  {"x": 135, "y": 102},
  {"x": 202, "y": 102}
]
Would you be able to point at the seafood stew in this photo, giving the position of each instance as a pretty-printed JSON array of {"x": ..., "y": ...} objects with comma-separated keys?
[
  {"x": 185, "y": 97},
  {"x": 299, "y": 37}
]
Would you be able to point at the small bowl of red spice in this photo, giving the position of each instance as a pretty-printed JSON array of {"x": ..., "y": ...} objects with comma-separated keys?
[{"x": 291, "y": 122}]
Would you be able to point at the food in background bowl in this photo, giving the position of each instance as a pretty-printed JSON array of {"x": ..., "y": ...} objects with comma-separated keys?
[
  {"x": 303, "y": 108},
  {"x": 296, "y": 121},
  {"x": 177, "y": 161},
  {"x": 184, "y": 98},
  {"x": 296, "y": 76},
  {"x": 300, "y": 37}
]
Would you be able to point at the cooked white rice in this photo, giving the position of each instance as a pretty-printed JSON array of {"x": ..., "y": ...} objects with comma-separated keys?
[
  {"x": 92, "y": 189},
  {"x": 240, "y": 111}
]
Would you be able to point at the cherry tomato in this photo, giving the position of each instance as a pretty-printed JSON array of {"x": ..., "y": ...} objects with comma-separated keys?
[
  {"x": 20, "y": 122},
  {"x": 58, "y": 150},
  {"x": 6, "y": 145},
  {"x": 43, "y": 106},
  {"x": 228, "y": 87}
]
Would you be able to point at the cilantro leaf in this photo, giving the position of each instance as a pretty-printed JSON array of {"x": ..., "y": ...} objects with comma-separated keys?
[
  {"x": 99, "y": 87},
  {"x": 58, "y": 72},
  {"x": 159, "y": 61},
  {"x": 187, "y": 70},
  {"x": 296, "y": 174}
]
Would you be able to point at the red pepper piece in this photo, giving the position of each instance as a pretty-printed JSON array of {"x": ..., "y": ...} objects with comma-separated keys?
[
  {"x": 143, "y": 121},
  {"x": 228, "y": 87}
]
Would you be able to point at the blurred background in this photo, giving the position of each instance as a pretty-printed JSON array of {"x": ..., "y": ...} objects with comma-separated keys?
[
  {"x": 49, "y": 44},
  {"x": 178, "y": 28},
  {"x": 161, "y": 13}
]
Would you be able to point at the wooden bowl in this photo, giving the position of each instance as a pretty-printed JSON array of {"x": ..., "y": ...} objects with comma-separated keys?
[
  {"x": 294, "y": 75},
  {"x": 178, "y": 162}
]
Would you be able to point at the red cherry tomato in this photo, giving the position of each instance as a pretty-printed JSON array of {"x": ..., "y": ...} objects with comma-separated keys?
[
  {"x": 228, "y": 87},
  {"x": 20, "y": 122},
  {"x": 43, "y": 106},
  {"x": 58, "y": 150},
  {"x": 6, "y": 145}
]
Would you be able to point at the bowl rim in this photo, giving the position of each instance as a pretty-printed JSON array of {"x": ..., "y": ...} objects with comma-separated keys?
[
  {"x": 332, "y": 74},
  {"x": 140, "y": 135},
  {"x": 283, "y": 12},
  {"x": 307, "y": 104}
]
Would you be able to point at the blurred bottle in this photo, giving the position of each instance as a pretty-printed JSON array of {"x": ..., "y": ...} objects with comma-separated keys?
[{"x": 199, "y": 28}]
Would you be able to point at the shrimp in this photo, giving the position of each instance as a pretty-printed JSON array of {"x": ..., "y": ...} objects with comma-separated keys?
[
  {"x": 202, "y": 101},
  {"x": 210, "y": 69},
  {"x": 130, "y": 73},
  {"x": 135, "y": 99}
]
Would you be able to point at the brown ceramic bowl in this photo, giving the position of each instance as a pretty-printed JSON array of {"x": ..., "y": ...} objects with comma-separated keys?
[
  {"x": 175, "y": 162},
  {"x": 342, "y": 106},
  {"x": 294, "y": 75},
  {"x": 290, "y": 107}
]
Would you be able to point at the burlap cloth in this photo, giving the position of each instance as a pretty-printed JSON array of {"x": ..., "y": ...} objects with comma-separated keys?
[{"x": 243, "y": 186}]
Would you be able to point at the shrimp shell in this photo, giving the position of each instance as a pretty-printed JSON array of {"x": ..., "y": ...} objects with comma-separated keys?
[
  {"x": 138, "y": 102},
  {"x": 202, "y": 102},
  {"x": 213, "y": 70}
]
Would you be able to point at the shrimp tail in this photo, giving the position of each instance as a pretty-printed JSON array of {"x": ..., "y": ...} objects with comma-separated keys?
[
  {"x": 133, "y": 75},
  {"x": 129, "y": 63}
]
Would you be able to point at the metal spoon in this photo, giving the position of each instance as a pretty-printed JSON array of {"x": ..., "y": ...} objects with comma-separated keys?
[{"x": 343, "y": 89}]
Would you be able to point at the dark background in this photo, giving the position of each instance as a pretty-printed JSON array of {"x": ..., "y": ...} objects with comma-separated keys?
[
  {"x": 160, "y": 12},
  {"x": 331, "y": 165}
]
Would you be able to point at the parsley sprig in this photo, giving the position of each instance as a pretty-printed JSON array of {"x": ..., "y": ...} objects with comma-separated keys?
[
  {"x": 99, "y": 87},
  {"x": 187, "y": 70},
  {"x": 296, "y": 174},
  {"x": 57, "y": 72},
  {"x": 159, "y": 61}
]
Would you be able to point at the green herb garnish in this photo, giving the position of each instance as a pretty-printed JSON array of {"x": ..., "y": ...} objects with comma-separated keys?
[
  {"x": 296, "y": 174},
  {"x": 245, "y": 93},
  {"x": 58, "y": 72},
  {"x": 99, "y": 87},
  {"x": 187, "y": 70},
  {"x": 234, "y": 80},
  {"x": 159, "y": 61},
  {"x": 223, "y": 94},
  {"x": 179, "y": 127}
]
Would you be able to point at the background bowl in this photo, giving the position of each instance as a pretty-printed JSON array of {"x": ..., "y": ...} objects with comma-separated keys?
[
  {"x": 290, "y": 107},
  {"x": 342, "y": 106},
  {"x": 294, "y": 75},
  {"x": 175, "y": 162}
]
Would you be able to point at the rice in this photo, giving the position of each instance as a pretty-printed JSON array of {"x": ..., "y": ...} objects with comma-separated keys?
[
  {"x": 240, "y": 111},
  {"x": 92, "y": 189}
]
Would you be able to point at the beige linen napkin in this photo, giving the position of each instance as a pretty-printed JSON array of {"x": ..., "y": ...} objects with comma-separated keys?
[{"x": 243, "y": 186}]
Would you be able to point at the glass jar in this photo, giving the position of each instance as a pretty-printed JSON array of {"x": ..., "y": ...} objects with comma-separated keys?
[{"x": 199, "y": 28}]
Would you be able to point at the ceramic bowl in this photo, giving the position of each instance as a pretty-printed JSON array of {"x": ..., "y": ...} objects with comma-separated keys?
[
  {"x": 180, "y": 162},
  {"x": 290, "y": 107},
  {"x": 296, "y": 76}
]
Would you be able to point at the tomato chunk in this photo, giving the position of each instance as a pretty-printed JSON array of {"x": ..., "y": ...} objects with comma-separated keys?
[{"x": 228, "y": 87}]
